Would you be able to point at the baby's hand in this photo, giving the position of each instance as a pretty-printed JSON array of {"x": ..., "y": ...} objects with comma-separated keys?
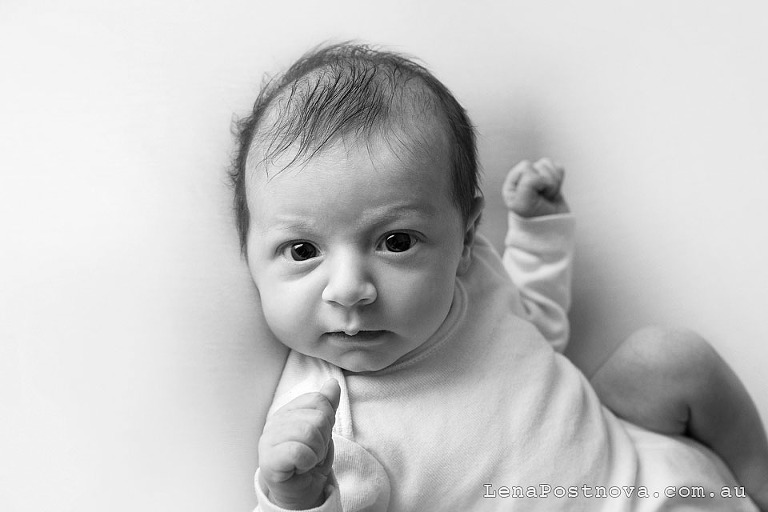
[
  {"x": 532, "y": 190},
  {"x": 296, "y": 449}
]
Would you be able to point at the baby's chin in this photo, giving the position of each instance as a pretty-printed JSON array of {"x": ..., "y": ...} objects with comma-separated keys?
[
  {"x": 361, "y": 363},
  {"x": 361, "y": 352}
]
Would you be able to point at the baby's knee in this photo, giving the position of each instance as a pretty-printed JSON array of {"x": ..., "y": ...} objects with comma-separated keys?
[
  {"x": 674, "y": 354},
  {"x": 655, "y": 377}
]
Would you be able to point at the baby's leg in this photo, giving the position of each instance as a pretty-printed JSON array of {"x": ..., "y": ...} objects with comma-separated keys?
[{"x": 674, "y": 382}]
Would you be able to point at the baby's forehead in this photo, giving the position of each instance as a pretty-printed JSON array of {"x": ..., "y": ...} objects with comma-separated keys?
[
  {"x": 362, "y": 183},
  {"x": 416, "y": 138},
  {"x": 408, "y": 149}
]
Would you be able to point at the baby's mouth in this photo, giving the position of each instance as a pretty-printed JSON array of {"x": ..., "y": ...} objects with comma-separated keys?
[{"x": 356, "y": 336}]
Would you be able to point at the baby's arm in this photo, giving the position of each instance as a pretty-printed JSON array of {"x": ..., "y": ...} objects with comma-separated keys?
[
  {"x": 539, "y": 246},
  {"x": 296, "y": 454}
]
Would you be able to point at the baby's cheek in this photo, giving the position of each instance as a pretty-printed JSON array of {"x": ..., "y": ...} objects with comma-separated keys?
[
  {"x": 273, "y": 316},
  {"x": 427, "y": 306},
  {"x": 284, "y": 311}
]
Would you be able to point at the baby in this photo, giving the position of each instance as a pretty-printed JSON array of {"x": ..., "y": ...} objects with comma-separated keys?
[{"x": 422, "y": 374}]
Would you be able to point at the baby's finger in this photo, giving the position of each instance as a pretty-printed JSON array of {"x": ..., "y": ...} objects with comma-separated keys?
[
  {"x": 288, "y": 459},
  {"x": 325, "y": 465},
  {"x": 553, "y": 175},
  {"x": 513, "y": 176},
  {"x": 532, "y": 184},
  {"x": 550, "y": 168},
  {"x": 307, "y": 426},
  {"x": 510, "y": 188},
  {"x": 315, "y": 400},
  {"x": 332, "y": 392}
]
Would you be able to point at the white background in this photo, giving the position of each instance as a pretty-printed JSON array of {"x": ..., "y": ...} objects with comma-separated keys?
[{"x": 130, "y": 376}]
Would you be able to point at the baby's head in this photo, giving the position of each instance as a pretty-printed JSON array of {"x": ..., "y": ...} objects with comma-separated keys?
[{"x": 357, "y": 199}]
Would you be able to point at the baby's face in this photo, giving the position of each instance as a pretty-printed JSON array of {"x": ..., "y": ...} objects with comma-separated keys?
[{"x": 355, "y": 252}]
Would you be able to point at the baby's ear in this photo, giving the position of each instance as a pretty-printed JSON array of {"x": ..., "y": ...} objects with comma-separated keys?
[{"x": 470, "y": 230}]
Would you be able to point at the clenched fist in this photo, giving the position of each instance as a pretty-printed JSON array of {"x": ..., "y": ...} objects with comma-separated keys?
[
  {"x": 533, "y": 190},
  {"x": 296, "y": 449}
]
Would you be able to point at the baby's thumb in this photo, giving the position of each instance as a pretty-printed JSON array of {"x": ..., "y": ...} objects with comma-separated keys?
[{"x": 332, "y": 391}]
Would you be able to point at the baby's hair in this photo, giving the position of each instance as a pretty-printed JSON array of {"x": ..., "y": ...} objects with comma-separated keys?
[{"x": 343, "y": 89}]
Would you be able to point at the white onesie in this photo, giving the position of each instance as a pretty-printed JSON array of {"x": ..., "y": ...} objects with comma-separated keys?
[{"x": 487, "y": 416}]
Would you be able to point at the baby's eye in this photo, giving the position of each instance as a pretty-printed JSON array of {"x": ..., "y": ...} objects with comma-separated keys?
[
  {"x": 399, "y": 242},
  {"x": 302, "y": 251}
]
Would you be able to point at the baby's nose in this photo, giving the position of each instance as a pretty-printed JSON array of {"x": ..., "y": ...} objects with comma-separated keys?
[{"x": 349, "y": 285}]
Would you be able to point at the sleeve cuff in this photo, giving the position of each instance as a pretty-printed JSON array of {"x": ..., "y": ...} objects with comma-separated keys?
[
  {"x": 332, "y": 501},
  {"x": 541, "y": 234}
]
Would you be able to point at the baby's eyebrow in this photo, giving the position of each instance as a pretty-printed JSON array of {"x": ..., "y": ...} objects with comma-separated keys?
[
  {"x": 374, "y": 218},
  {"x": 395, "y": 211},
  {"x": 291, "y": 225}
]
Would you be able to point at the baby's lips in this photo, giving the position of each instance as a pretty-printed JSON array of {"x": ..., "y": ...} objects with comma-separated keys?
[{"x": 359, "y": 335}]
